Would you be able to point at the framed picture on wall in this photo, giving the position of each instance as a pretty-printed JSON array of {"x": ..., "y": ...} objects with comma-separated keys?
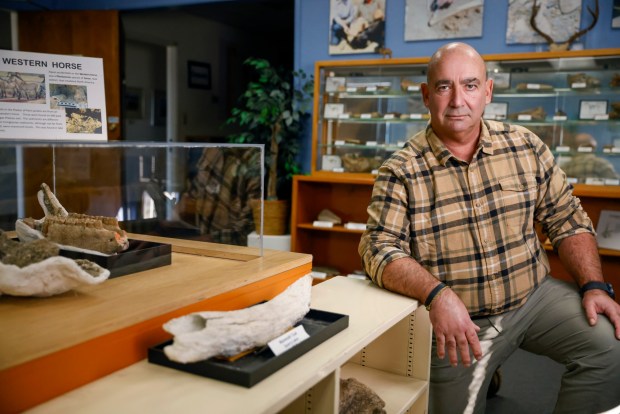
[
  {"x": 443, "y": 19},
  {"x": 134, "y": 103},
  {"x": 198, "y": 75},
  {"x": 615, "y": 15},
  {"x": 556, "y": 19},
  {"x": 356, "y": 26}
]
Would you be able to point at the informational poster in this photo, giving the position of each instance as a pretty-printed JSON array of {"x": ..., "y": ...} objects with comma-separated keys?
[{"x": 51, "y": 97}]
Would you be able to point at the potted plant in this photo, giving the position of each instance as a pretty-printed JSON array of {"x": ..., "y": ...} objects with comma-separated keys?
[{"x": 272, "y": 111}]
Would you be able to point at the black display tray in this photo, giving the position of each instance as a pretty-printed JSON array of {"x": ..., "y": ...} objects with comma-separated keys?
[
  {"x": 140, "y": 255},
  {"x": 253, "y": 368}
]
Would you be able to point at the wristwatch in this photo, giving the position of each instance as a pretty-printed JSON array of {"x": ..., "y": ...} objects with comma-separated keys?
[{"x": 598, "y": 285}]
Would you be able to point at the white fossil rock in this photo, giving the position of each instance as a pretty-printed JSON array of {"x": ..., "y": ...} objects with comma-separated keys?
[
  {"x": 49, "y": 277},
  {"x": 202, "y": 335}
]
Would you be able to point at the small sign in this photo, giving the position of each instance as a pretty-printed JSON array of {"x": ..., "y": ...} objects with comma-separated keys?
[
  {"x": 560, "y": 117},
  {"x": 562, "y": 148},
  {"x": 578, "y": 85},
  {"x": 355, "y": 226},
  {"x": 366, "y": 116},
  {"x": 596, "y": 110},
  {"x": 524, "y": 117},
  {"x": 371, "y": 89},
  {"x": 533, "y": 86},
  {"x": 333, "y": 110},
  {"x": 288, "y": 340},
  {"x": 325, "y": 224},
  {"x": 585, "y": 149},
  {"x": 415, "y": 116},
  {"x": 388, "y": 116},
  {"x": 413, "y": 88},
  {"x": 371, "y": 143}
]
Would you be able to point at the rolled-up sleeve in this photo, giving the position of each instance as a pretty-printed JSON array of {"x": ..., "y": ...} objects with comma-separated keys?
[
  {"x": 387, "y": 232},
  {"x": 558, "y": 210}
]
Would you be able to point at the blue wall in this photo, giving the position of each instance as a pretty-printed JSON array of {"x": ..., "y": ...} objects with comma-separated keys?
[{"x": 312, "y": 35}]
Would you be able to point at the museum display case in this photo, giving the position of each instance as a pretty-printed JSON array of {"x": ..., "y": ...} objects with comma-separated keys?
[
  {"x": 179, "y": 228},
  {"x": 183, "y": 190},
  {"x": 364, "y": 110}
]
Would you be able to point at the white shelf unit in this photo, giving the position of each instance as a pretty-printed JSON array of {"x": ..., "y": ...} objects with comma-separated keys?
[{"x": 386, "y": 346}]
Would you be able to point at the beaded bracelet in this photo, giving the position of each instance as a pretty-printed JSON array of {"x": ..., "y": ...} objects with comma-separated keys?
[{"x": 434, "y": 294}]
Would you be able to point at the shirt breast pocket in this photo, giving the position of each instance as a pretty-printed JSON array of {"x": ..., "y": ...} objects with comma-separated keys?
[{"x": 518, "y": 202}]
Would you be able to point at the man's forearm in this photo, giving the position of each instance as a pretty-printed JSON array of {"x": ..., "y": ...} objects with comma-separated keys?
[
  {"x": 579, "y": 255},
  {"x": 409, "y": 278}
]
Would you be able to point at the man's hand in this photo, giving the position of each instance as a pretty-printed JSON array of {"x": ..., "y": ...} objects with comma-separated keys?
[
  {"x": 595, "y": 302},
  {"x": 454, "y": 329}
]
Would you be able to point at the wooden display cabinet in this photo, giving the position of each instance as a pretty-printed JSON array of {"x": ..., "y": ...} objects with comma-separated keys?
[
  {"x": 347, "y": 197},
  {"x": 386, "y": 346}
]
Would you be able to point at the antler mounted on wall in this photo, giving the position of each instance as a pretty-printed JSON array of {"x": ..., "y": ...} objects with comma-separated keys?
[{"x": 553, "y": 46}]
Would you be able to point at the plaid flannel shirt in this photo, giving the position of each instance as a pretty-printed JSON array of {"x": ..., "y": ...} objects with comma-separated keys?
[{"x": 471, "y": 225}]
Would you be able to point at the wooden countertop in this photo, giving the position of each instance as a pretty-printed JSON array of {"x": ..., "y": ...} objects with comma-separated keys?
[{"x": 202, "y": 276}]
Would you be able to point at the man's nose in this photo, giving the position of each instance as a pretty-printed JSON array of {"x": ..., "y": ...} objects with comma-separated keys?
[{"x": 456, "y": 98}]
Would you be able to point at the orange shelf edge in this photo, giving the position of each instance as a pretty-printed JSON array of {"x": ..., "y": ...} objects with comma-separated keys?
[{"x": 27, "y": 385}]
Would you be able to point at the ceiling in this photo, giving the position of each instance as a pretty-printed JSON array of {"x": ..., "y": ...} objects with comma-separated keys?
[{"x": 260, "y": 16}]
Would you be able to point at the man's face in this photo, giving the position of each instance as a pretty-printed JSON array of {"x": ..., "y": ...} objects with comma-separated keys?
[{"x": 456, "y": 95}]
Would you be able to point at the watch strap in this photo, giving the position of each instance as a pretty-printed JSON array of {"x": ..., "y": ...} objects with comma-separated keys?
[{"x": 598, "y": 285}]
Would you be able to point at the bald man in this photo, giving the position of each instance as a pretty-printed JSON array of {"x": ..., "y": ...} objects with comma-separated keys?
[{"x": 451, "y": 224}]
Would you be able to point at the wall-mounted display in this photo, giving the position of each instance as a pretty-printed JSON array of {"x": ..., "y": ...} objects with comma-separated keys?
[
  {"x": 560, "y": 18},
  {"x": 356, "y": 26},
  {"x": 51, "y": 97},
  {"x": 443, "y": 19},
  {"x": 198, "y": 75}
]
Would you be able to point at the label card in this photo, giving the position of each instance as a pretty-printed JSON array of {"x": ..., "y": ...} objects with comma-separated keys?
[{"x": 288, "y": 340}]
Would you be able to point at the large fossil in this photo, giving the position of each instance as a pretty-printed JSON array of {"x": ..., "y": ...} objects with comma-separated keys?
[
  {"x": 93, "y": 233},
  {"x": 35, "y": 269},
  {"x": 202, "y": 335}
]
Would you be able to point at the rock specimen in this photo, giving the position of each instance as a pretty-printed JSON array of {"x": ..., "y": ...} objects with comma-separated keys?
[
  {"x": 34, "y": 269},
  {"x": 202, "y": 335},
  {"x": 358, "y": 398}
]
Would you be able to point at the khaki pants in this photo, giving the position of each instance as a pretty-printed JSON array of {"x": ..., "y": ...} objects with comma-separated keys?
[{"x": 552, "y": 323}]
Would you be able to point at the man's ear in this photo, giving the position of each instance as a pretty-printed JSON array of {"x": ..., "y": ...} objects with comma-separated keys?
[
  {"x": 425, "y": 93},
  {"x": 489, "y": 90}
]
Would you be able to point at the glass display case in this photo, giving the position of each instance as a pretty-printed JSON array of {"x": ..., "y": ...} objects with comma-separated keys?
[
  {"x": 366, "y": 110},
  {"x": 190, "y": 191}
]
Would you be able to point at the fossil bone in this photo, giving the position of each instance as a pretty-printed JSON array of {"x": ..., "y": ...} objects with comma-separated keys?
[
  {"x": 92, "y": 233},
  {"x": 202, "y": 335}
]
